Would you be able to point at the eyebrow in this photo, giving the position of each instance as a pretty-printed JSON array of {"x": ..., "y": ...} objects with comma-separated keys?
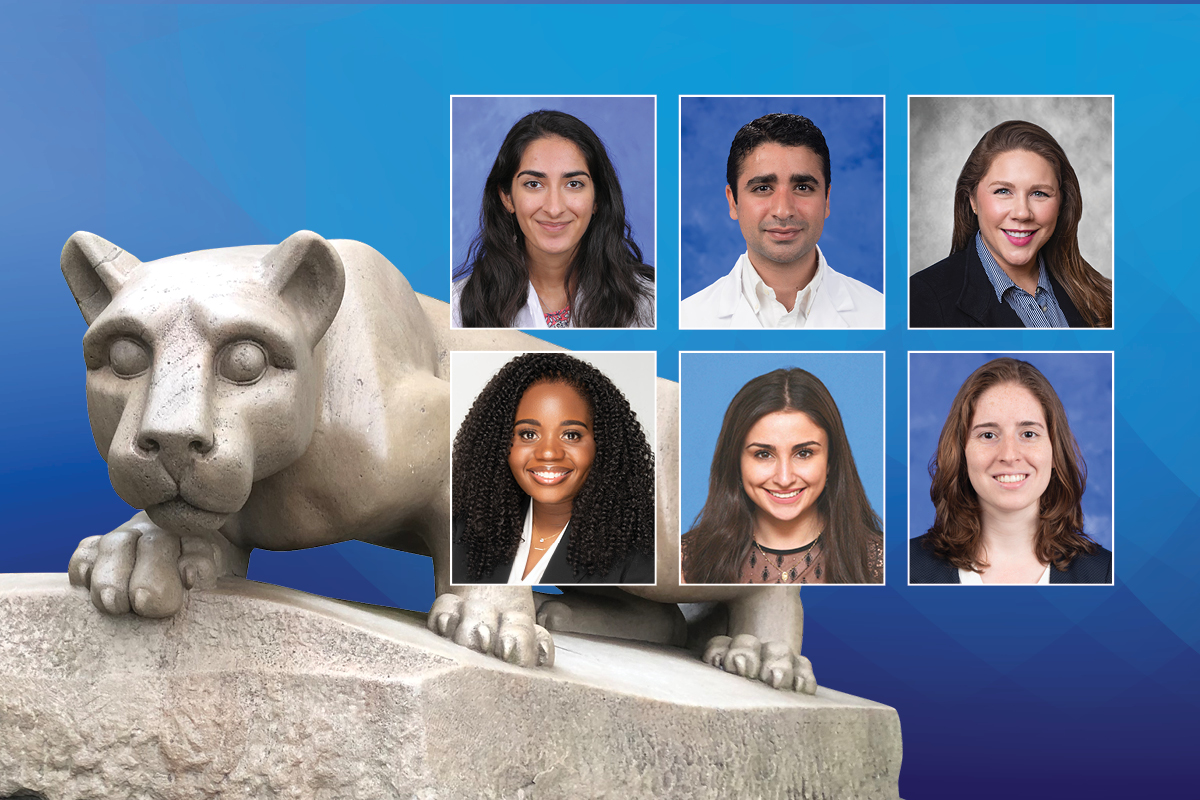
[
  {"x": 764, "y": 446},
  {"x": 772, "y": 179},
  {"x": 1025, "y": 423},
  {"x": 536, "y": 174},
  {"x": 564, "y": 423},
  {"x": 1006, "y": 184}
]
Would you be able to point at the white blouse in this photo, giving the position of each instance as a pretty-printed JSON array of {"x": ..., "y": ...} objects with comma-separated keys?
[
  {"x": 535, "y": 574},
  {"x": 975, "y": 579}
]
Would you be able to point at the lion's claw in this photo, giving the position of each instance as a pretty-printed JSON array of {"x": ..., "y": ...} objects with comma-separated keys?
[
  {"x": 142, "y": 568},
  {"x": 773, "y": 663},
  {"x": 79, "y": 571},
  {"x": 511, "y": 636}
]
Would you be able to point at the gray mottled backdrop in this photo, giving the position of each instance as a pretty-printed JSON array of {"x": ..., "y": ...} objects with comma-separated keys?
[{"x": 942, "y": 131}]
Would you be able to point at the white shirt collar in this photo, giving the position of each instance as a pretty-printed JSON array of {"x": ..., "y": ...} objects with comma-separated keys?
[
  {"x": 535, "y": 575},
  {"x": 769, "y": 311}
]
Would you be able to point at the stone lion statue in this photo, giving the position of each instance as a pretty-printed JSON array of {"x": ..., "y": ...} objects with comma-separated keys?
[{"x": 298, "y": 395}]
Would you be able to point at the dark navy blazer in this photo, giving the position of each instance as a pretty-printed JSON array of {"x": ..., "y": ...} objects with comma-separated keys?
[
  {"x": 924, "y": 567},
  {"x": 635, "y": 568},
  {"x": 956, "y": 293}
]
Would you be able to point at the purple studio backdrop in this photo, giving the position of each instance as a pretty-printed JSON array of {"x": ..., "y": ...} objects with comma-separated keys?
[
  {"x": 625, "y": 125},
  {"x": 1082, "y": 381}
]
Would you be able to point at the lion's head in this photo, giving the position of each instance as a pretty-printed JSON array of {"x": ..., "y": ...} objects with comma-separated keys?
[{"x": 200, "y": 367}]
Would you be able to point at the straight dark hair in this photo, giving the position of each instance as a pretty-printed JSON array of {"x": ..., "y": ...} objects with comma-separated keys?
[
  {"x": 1090, "y": 292},
  {"x": 723, "y": 533},
  {"x": 608, "y": 285}
]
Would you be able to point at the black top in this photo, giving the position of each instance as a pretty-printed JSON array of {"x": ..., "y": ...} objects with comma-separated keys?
[
  {"x": 956, "y": 293},
  {"x": 924, "y": 567},
  {"x": 636, "y": 568}
]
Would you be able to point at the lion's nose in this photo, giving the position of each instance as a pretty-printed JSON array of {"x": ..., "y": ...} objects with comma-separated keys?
[
  {"x": 177, "y": 426},
  {"x": 151, "y": 443}
]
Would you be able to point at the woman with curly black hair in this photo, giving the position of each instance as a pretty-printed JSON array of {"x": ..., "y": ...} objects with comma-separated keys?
[
  {"x": 554, "y": 249},
  {"x": 553, "y": 480}
]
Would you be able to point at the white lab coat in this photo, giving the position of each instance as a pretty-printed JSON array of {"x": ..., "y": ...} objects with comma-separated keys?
[{"x": 840, "y": 302}]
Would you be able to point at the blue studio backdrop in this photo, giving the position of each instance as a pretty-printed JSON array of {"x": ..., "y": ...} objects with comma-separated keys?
[{"x": 167, "y": 129}]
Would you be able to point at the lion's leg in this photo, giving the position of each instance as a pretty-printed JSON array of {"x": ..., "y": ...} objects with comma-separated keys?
[
  {"x": 496, "y": 620},
  {"x": 762, "y": 642},
  {"x": 609, "y": 611},
  {"x": 142, "y": 568}
]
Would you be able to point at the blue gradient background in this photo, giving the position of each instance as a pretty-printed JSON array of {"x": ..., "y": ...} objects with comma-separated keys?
[
  {"x": 172, "y": 129},
  {"x": 1082, "y": 381},
  {"x": 852, "y": 238}
]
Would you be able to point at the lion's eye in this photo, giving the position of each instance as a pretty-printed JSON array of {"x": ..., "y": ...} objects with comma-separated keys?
[
  {"x": 128, "y": 358},
  {"x": 242, "y": 362}
]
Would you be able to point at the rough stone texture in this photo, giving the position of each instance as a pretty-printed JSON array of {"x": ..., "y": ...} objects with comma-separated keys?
[{"x": 255, "y": 691}]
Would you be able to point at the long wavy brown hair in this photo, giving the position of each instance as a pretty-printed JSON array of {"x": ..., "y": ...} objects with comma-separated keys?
[
  {"x": 722, "y": 535},
  {"x": 957, "y": 531},
  {"x": 1090, "y": 292}
]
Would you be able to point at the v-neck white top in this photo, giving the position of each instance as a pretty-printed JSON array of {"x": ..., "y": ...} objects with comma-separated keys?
[{"x": 535, "y": 574}]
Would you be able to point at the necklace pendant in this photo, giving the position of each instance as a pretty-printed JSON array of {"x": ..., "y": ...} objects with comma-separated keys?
[
  {"x": 784, "y": 575},
  {"x": 541, "y": 540}
]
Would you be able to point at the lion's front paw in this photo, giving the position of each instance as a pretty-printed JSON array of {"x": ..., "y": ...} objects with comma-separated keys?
[
  {"x": 773, "y": 663},
  {"x": 511, "y": 636},
  {"x": 142, "y": 568}
]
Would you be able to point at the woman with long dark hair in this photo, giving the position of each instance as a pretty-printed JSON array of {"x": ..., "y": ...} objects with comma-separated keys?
[
  {"x": 1008, "y": 483},
  {"x": 1014, "y": 260},
  {"x": 554, "y": 248},
  {"x": 785, "y": 503},
  {"x": 553, "y": 479}
]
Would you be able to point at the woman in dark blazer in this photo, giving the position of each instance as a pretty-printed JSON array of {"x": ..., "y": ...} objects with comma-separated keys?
[
  {"x": 553, "y": 480},
  {"x": 1008, "y": 481},
  {"x": 1017, "y": 207}
]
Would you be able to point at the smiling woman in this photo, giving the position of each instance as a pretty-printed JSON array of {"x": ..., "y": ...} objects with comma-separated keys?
[
  {"x": 554, "y": 248},
  {"x": 785, "y": 502},
  {"x": 553, "y": 480},
  {"x": 1014, "y": 260},
  {"x": 1008, "y": 484}
]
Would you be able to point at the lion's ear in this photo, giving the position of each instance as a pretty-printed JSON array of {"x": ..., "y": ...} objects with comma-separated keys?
[
  {"x": 308, "y": 275},
  {"x": 95, "y": 269}
]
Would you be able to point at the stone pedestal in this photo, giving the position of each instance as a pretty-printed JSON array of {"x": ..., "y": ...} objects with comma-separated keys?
[{"x": 255, "y": 691}]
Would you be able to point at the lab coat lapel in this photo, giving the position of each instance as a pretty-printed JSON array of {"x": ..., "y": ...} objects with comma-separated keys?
[
  {"x": 831, "y": 302},
  {"x": 734, "y": 305}
]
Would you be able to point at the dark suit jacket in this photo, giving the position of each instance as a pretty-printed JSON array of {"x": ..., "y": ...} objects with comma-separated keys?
[
  {"x": 635, "y": 568},
  {"x": 924, "y": 567},
  {"x": 956, "y": 293}
]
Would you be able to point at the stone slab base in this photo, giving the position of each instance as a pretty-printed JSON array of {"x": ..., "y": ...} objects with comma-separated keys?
[{"x": 256, "y": 691}]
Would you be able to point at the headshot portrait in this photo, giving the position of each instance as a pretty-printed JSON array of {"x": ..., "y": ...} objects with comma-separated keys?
[
  {"x": 1010, "y": 468},
  {"x": 1010, "y": 212},
  {"x": 782, "y": 468},
  {"x": 781, "y": 212},
  {"x": 553, "y": 468},
  {"x": 553, "y": 209}
]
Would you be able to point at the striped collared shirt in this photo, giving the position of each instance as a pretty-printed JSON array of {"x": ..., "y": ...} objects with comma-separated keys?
[{"x": 1040, "y": 310}]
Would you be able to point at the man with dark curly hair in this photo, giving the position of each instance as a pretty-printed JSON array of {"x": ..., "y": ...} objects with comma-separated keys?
[{"x": 553, "y": 480}]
